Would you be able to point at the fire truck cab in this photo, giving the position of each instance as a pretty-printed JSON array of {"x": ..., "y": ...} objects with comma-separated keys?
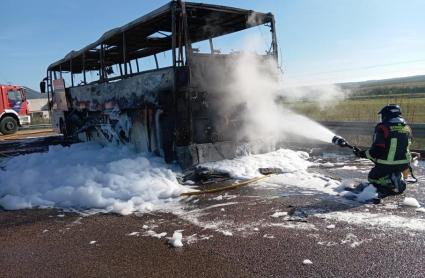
[{"x": 13, "y": 109}]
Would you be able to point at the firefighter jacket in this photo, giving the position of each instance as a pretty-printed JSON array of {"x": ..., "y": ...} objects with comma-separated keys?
[{"x": 391, "y": 142}]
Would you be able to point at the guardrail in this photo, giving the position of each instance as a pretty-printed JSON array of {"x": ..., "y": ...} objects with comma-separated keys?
[{"x": 367, "y": 128}]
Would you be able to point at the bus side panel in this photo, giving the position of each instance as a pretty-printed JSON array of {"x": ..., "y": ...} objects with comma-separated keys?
[
  {"x": 124, "y": 94},
  {"x": 131, "y": 110},
  {"x": 216, "y": 106}
]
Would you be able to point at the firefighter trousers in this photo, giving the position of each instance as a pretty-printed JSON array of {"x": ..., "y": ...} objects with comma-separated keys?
[{"x": 388, "y": 179}]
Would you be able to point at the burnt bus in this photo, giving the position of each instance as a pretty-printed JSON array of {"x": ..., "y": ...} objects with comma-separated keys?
[{"x": 154, "y": 83}]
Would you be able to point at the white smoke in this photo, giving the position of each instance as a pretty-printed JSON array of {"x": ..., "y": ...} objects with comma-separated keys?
[
  {"x": 324, "y": 96},
  {"x": 253, "y": 20},
  {"x": 257, "y": 82}
]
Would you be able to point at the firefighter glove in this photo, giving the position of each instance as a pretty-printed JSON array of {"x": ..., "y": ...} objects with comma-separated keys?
[{"x": 359, "y": 153}]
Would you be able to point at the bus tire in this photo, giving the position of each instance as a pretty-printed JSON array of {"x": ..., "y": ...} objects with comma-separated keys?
[{"x": 8, "y": 125}]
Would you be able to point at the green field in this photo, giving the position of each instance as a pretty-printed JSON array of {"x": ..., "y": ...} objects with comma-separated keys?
[{"x": 413, "y": 109}]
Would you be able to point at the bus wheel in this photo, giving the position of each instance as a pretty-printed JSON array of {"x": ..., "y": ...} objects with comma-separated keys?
[{"x": 8, "y": 125}]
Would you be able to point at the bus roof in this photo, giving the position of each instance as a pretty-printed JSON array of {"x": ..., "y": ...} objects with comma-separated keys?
[{"x": 151, "y": 34}]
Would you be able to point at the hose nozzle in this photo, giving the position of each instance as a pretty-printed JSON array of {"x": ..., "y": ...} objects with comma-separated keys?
[{"x": 338, "y": 140}]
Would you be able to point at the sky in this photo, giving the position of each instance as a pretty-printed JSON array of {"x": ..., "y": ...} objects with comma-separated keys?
[{"x": 320, "y": 41}]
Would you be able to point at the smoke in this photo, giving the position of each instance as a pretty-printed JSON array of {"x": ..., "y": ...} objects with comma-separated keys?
[
  {"x": 253, "y": 20},
  {"x": 257, "y": 82},
  {"x": 324, "y": 96}
]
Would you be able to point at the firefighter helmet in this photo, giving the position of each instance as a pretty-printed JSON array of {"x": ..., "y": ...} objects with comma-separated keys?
[{"x": 390, "y": 111}]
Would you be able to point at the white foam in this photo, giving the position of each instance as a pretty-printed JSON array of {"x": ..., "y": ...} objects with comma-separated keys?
[
  {"x": 328, "y": 165},
  {"x": 294, "y": 225},
  {"x": 176, "y": 240},
  {"x": 247, "y": 166},
  {"x": 379, "y": 220},
  {"x": 279, "y": 214},
  {"x": 116, "y": 179},
  {"x": 367, "y": 194},
  {"x": 155, "y": 234},
  {"x": 307, "y": 262},
  {"x": 411, "y": 202},
  {"x": 227, "y": 233},
  {"x": 349, "y": 168},
  {"x": 218, "y": 198},
  {"x": 352, "y": 240},
  {"x": 87, "y": 176},
  {"x": 134, "y": 234},
  {"x": 294, "y": 165}
]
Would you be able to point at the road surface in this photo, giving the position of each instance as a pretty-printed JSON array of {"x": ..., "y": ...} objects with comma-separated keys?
[{"x": 261, "y": 230}]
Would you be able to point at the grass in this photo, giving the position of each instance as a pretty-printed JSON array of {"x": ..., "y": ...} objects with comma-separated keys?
[{"x": 413, "y": 109}]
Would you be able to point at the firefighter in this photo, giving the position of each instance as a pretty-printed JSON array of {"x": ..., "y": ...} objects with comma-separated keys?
[{"x": 389, "y": 151}]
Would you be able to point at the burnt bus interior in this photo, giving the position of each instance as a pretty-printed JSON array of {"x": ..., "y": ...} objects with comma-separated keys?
[{"x": 172, "y": 110}]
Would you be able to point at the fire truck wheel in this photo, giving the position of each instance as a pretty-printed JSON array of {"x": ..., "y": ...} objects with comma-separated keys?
[{"x": 8, "y": 125}]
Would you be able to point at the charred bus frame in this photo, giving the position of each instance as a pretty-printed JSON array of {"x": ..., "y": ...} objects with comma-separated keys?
[{"x": 160, "y": 110}]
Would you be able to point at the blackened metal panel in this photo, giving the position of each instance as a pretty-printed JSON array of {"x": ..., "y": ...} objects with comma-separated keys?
[
  {"x": 128, "y": 93},
  {"x": 216, "y": 110}
]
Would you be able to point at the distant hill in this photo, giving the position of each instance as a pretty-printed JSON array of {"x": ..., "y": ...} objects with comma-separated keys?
[
  {"x": 411, "y": 86},
  {"x": 33, "y": 94},
  {"x": 409, "y": 81}
]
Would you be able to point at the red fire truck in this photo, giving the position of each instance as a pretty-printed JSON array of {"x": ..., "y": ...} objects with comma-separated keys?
[{"x": 13, "y": 108}]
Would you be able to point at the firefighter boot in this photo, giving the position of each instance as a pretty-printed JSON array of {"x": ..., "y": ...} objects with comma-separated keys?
[{"x": 399, "y": 185}]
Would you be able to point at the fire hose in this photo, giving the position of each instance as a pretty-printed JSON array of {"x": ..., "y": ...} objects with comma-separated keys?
[
  {"x": 266, "y": 172},
  {"x": 232, "y": 186}
]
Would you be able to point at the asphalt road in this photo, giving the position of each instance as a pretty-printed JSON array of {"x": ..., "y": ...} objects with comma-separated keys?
[{"x": 226, "y": 235}]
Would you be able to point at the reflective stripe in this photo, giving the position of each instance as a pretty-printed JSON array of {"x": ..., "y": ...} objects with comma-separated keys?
[
  {"x": 389, "y": 162},
  {"x": 395, "y": 162},
  {"x": 408, "y": 156},
  {"x": 400, "y": 128},
  {"x": 391, "y": 154},
  {"x": 386, "y": 181},
  {"x": 393, "y": 148}
]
